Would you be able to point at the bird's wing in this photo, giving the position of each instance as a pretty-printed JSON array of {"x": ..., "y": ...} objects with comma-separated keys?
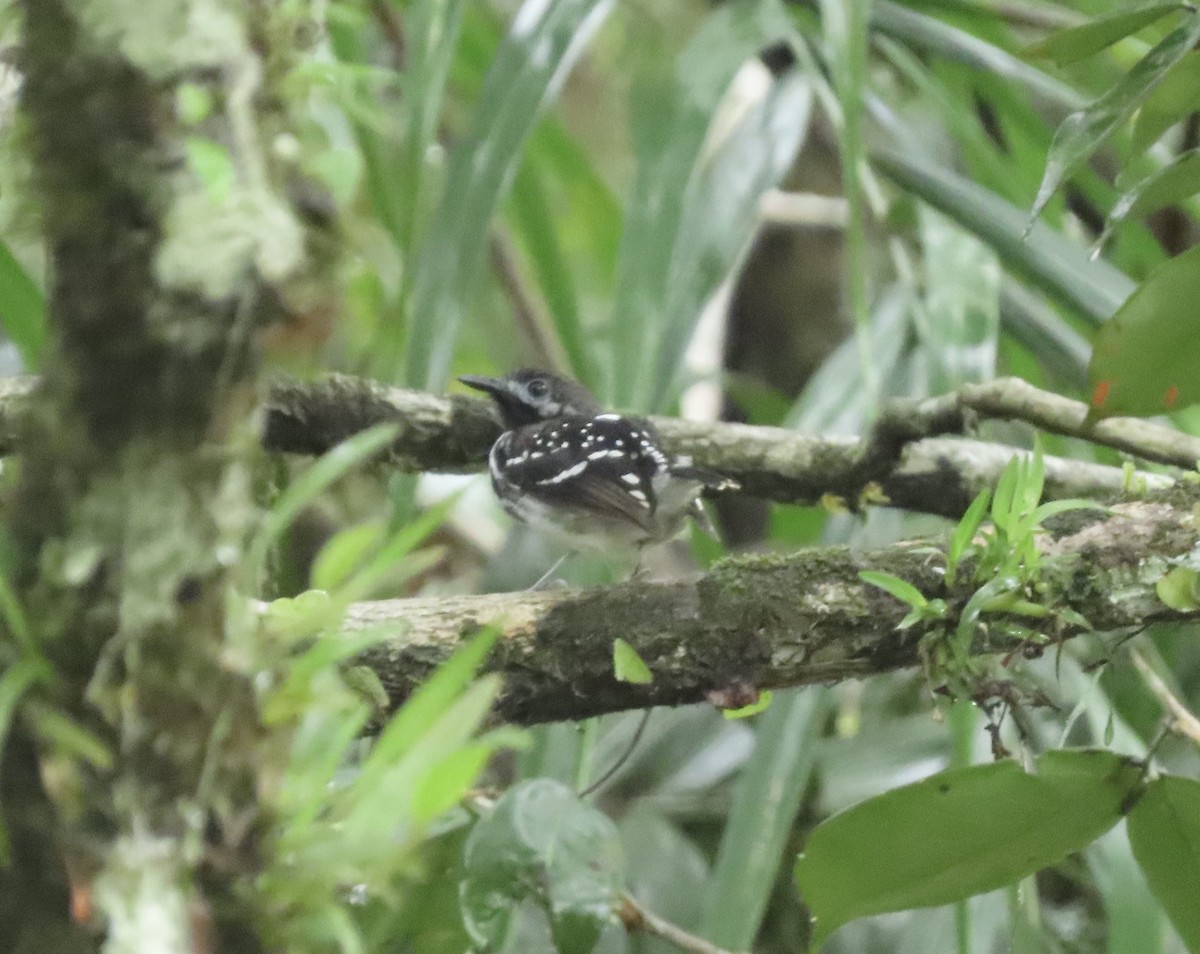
[{"x": 598, "y": 466}]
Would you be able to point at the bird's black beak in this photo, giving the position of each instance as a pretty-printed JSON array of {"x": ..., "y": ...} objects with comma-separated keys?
[{"x": 493, "y": 386}]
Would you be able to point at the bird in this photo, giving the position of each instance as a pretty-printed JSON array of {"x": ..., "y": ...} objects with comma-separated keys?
[{"x": 590, "y": 478}]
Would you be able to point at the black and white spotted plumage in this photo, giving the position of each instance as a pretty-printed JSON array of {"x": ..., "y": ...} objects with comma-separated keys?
[{"x": 594, "y": 479}]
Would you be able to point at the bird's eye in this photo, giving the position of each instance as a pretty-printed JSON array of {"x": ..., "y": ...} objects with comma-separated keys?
[{"x": 538, "y": 388}]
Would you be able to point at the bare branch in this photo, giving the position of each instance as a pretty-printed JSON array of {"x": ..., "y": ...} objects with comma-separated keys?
[
  {"x": 640, "y": 920},
  {"x": 1016, "y": 400},
  {"x": 760, "y": 621}
]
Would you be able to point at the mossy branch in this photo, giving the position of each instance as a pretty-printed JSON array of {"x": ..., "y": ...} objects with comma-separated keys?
[
  {"x": 914, "y": 467},
  {"x": 760, "y": 622},
  {"x": 914, "y": 470}
]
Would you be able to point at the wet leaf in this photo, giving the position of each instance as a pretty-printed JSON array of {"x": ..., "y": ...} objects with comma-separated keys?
[{"x": 1082, "y": 132}]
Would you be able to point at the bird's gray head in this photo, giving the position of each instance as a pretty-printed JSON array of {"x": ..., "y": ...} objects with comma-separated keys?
[{"x": 528, "y": 396}]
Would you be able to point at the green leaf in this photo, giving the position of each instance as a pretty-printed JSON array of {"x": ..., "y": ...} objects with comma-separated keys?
[
  {"x": 628, "y": 666},
  {"x": 541, "y": 47},
  {"x": 936, "y": 36},
  {"x": 754, "y": 708},
  {"x": 1145, "y": 359},
  {"x": 1059, "y": 266},
  {"x": 1006, "y": 493},
  {"x": 1173, "y": 99},
  {"x": 344, "y": 553},
  {"x": 212, "y": 165},
  {"x": 889, "y": 583},
  {"x": 17, "y": 679},
  {"x": 542, "y": 843},
  {"x": 965, "y": 532},
  {"x": 671, "y": 119},
  {"x": 443, "y": 786},
  {"x": 1179, "y": 179},
  {"x": 1164, "y": 830},
  {"x": 332, "y": 466},
  {"x": 762, "y": 816},
  {"x": 959, "y": 833},
  {"x": 1180, "y": 589},
  {"x": 1077, "y": 43},
  {"x": 22, "y": 310},
  {"x": 431, "y": 700},
  {"x": 1083, "y": 132}
]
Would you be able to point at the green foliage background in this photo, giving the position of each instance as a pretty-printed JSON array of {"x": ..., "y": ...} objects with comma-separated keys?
[{"x": 571, "y": 184}]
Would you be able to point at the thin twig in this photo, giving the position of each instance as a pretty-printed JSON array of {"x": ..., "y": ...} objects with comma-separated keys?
[
  {"x": 1183, "y": 722},
  {"x": 639, "y": 920},
  {"x": 1016, "y": 400},
  {"x": 530, "y": 317}
]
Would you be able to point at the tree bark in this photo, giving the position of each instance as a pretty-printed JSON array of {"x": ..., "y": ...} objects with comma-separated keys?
[
  {"x": 135, "y": 490},
  {"x": 762, "y": 622}
]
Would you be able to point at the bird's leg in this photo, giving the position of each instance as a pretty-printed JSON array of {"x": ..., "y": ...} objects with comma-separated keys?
[{"x": 547, "y": 578}]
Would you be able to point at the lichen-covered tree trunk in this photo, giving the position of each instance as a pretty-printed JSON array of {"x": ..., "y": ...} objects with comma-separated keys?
[{"x": 134, "y": 766}]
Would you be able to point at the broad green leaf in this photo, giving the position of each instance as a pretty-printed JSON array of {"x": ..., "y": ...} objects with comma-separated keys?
[
  {"x": 904, "y": 591},
  {"x": 671, "y": 119},
  {"x": 1172, "y": 100},
  {"x": 22, "y": 309},
  {"x": 542, "y": 45},
  {"x": 1177, "y": 180},
  {"x": 1083, "y": 132},
  {"x": 959, "y": 833},
  {"x": 1055, "y": 263},
  {"x": 1145, "y": 359},
  {"x": 1164, "y": 829},
  {"x": 1077, "y": 43},
  {"x": 628, "y": 666},
  {"x": 760, "y": 821},
  {"x": 542, "y": 843}
]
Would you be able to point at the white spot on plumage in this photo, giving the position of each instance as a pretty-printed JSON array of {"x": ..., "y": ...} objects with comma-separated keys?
[
  {"x": 567, "y": 474},
  {"x": 631, "y": 478}
]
